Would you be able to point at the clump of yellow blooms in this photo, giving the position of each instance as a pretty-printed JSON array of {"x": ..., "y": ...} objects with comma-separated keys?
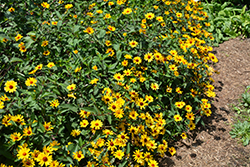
[{"x": 107, "y": 85}]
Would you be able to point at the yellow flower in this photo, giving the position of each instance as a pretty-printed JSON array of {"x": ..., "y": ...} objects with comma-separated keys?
[
  {"x": 78, "y": 155},
  {"x": 44, "y": 159},
  {"x": 84, "y": 123},
  {"x": 54, "y": 23},
  {"x": 10, "y": 86},
  {"x": 133, "y": 44},
  {"x": 4, "y": 98},
  {"x": 96, "y": 124},
  {"x": 138, "y": 156},
  {"x": 183, "y": 135},
  {"x": 54, "y": 103},
  {"x": 5, "y": 40},
  {"x": 180, "y": 105},
  {"x": 22, "y": 49},
  {"x": 188, "y": 108},
  {"x": 11, "y": 9},
  {"x": 118, "y": 77},
  {"x": 119, "y": 154},
  {"x": 191, "y": 125},
  {"x": 75, "y": 51},
  {"x": 99, "y": 11},
  {"x": 89, "y": 30},
  {"x": 46, "y": 52},
  {"x": 47, "y": 126},
  {"x": 149, "y": 57},
  {"x": 124, "y": 63},
  {"x": 152, "y": 163},
  {"x": 18, "y": 37},
  {"x": 118, "y": 113},
  {"x": 154, "y": 86},
  {"x": 71, "y": 87},
  {"x": 28, "y": 162},
  {"x": 108, "y": 43},
  {"x": 212, "y": 57},
  {"x": 31, "y": 81},
  {"x": 95, "y": 68},
  {"x": 177, "y": 118},
  {"x": 75, "y": 132},
  {"x": 50, "y": 64},
  {"x": 150, "y": 15},
  {"x": 23, "y": 152},
  {"x": 178, "y": 15},
  {"x": 16, "y": 136},
  {"x": 94, "y": 81},
  {"x": 45, "y": 5},
  {"x": 111, "y": 28},
  {"x": 72, "y": 95},
  {"x": 39, "y": 67},
  {"x": 27, "y": 131},
  {"x": 127, "y": 56},
  {"x": 45, "y": 43},
  {"x": 78, "y": 69},
  {"x": 127, "y": 11},
  {"x": 110, "y": 51},
  {"x": 107, "y": 16},
  {"x": 160, "y": 18},
  {"x": 172, "y": 150},
  {"x": 137, "y": 60},
  {"x": 68, "y": 6}
]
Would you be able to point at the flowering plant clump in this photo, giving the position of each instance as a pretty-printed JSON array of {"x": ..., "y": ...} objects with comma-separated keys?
[{"x": 101, "y": 83}]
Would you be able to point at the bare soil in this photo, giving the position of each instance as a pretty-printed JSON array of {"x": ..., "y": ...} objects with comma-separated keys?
[{"x": 212, "y": 145}]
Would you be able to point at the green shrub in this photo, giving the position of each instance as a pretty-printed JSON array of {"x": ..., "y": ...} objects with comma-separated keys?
[
  {"x": 227, "y": 21},
  {"x": 101, "y": 83},
  {"x": 241, "y": 128}
]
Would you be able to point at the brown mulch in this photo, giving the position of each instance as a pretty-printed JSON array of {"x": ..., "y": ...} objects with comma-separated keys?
[{"x": 212, "y": 145}]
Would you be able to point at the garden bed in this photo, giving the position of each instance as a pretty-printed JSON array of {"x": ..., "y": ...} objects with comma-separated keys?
[{"x": 212, "y": 145}]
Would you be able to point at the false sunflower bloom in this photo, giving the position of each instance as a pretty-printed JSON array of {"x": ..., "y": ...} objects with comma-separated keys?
[
  {"x": 96, "y": 124},
  {"x": 137, "y": 60},
  {"x": 31, "y": 81},
  {"x": 44, "y": 159},
  {"x": 133, "y": 44},
  {"x": 177, "y": 118},
  {"x": 50, "y": 64},
  {"x": 23, "y": 153},
  {"x": 119, "y": 154},
  {"x": 89, "y": 30},
  {"x": 154, "y": 86},
  {"x": 150, "y": 16},
  {"x": 71, "y": 87},
  {"x": 10, "y": 86},
  {"x": 78, "y": 155}
]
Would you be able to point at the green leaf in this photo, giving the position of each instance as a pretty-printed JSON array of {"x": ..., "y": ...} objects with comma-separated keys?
[
  {"x": 90, "y": 109},
  {"x": 59, "y": 24},
  {"x": 76, "y": 28},
  {"x": 116, "y": 46},
  {"x": 110, "y": 119},
  {"x": 122, "y": 165},
  {"x": 128, "y": 148},
  {"x": 96, "y": 90},
  {"x": 111, "y": 67},
  {"x": 15, "y": 59},
  {"x": 5, "y": 153},
  {"x": 118, "y": 55},
  {"x": 69, "y": 107},
  {"x": 58, "y": 14},
  {"x": 28, "y": 41},
  {"x": 101, "y": 34},
  {"x": 70, "y": 159}
]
